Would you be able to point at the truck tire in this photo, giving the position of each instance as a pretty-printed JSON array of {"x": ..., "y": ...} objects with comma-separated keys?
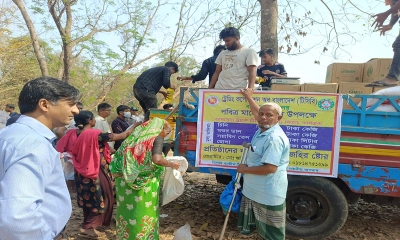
[{"x": 315, "y": 208}]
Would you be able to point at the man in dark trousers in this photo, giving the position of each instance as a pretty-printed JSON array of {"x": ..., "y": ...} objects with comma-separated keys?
[
  {"x": 208, "y": 67},
  {"x": 392, "y": 79},
  {"x": 149, "y": 84}
]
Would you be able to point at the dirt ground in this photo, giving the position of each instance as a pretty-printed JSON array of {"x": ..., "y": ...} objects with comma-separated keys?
[{"x": 199, "y": 207}]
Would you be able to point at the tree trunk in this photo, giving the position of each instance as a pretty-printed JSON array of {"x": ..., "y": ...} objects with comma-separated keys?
[
  {"x": 269, "y": 25},
  {"x": 67, "y": 49},
  {"x": 34, "y": 38},
  {"x": 60, "y": 71}
]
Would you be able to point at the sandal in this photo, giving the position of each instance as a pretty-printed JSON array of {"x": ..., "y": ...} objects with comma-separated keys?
[
  {"x": 91, "y": 235},
  {"x": 87, "y": 236}
]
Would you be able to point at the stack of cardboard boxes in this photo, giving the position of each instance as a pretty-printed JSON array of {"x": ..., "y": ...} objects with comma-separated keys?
[{"x": 346, "y": 78}]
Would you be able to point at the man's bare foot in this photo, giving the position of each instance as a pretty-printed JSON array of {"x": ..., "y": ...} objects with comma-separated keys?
[{"x": 386, "y": 82}]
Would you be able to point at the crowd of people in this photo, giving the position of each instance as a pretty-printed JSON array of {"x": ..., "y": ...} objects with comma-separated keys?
[
  {"x": 56, "y": 152},
  {"x": 53, "y": 131}
]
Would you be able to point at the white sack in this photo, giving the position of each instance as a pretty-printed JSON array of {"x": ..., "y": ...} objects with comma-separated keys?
[
  {"x": 68, "y": 166},
  {"x": 392, "y": 91},
  {"x": 173, "y": 184}
]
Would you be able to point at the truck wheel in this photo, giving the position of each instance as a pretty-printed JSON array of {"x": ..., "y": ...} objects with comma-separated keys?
[{"x": 315, "y": 208}]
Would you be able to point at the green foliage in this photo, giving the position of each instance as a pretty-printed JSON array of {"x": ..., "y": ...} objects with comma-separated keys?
[{"x": 18, "y": 65}]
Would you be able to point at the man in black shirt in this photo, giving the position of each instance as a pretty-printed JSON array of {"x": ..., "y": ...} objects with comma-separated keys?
[
  {"x": 150, "y": 82},
  {"x": 270, "y": 68},
  {"x": 120, "y": 124},
  {"x": 208, "y": 67},
  {"x": 392, "y": 78}
]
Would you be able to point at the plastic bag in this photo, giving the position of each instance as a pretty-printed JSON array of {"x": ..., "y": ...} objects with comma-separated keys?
[
  {"x": 68, "y": 166},
  {"x": 173, "y": 184},
  {"x": 226, "y": 198},
  {"x": 183, "y": 233}
]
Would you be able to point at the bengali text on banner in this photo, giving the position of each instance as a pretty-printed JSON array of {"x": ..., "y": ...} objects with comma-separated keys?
[{"x": 311, "y": 121}]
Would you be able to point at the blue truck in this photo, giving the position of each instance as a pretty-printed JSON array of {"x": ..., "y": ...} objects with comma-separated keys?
[{"x": 317, "y": 207}]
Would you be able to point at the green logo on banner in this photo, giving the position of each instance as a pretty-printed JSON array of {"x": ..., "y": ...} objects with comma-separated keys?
[{"x": 326, "y": 104}]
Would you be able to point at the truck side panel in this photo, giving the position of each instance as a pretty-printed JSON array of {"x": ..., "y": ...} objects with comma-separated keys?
[
  {"x": 381, "y": 150},
  {"x": 369, "y": 160},
  {"x": 371, "y": 180}
]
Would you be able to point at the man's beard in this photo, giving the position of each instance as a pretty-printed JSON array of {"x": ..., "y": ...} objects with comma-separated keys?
[
  {"x": 233, "y": 47},
  {"x": 266, "y": 126}
]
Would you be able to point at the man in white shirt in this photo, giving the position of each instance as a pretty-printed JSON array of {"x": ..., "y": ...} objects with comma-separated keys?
[
  {"x": 237, "y": 66},
  {"x": 103, "y": 111}
]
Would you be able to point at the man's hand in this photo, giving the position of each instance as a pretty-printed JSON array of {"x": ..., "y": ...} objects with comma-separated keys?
[
  {"x": 379, "y": 19},
  {"x": 384, "y": 29},
  {"x": 130, "y": 130},
  {"x": 163, "y": 93},
  {"x": 174, "y": 165},
  {"x": 137, "y": 124},
  {"x": 241, "y": 168},
  {"x": 183, "y": 78},
  {"x": 247, "y": 92}
]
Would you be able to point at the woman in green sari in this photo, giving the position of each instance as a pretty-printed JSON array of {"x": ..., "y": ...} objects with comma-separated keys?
[{"x": 137, "y": 167}]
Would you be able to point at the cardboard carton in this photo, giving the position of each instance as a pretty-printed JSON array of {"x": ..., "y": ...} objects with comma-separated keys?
[
  {"x": 353, "y": 88},
  {"x": 376, "y": 69},
  {"x": 319, "y": 87},
  {"x": 285, "y": 87},
  {"x": 344, "y": 72}
]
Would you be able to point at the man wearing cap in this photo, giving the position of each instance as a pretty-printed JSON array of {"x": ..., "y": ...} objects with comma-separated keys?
[
  {"x": 10, "y": 108},
  {"x": 149, "y": 84},
  {"x": 135, "y": 118}
]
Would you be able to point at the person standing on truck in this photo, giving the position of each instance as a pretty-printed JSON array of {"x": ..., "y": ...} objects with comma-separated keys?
[
  {"x": 269, "y": 69},
  {"x": 149, "y": 84},
  {"x": 265, "y": 177},
  {"x": 207, "y": 68},
  {"x": 392, "y": 78},
  {"x": 236, "y": 67}
]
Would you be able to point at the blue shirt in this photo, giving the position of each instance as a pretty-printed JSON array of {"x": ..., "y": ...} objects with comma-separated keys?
[
  {"x": 272, "y": 147},
  {"x": 34, "y": 199}
]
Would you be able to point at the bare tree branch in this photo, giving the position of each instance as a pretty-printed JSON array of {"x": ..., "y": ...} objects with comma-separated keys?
[{"x": 35, "y": 40}]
